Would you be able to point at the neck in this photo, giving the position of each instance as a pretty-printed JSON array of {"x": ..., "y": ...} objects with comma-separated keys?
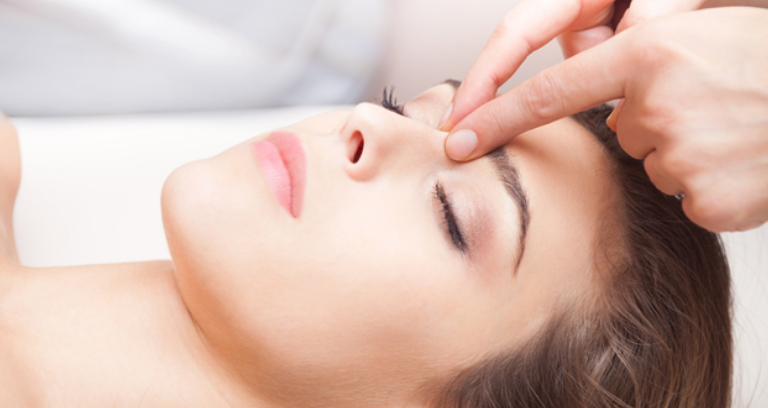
[{"x": 117, "y": 335}]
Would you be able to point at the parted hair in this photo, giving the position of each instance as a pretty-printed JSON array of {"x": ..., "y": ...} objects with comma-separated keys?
[{"x": 660, "y": 336}]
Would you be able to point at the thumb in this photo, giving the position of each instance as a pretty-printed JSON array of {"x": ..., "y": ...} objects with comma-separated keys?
[
  {"x": 574, "y": 42},
  {"x": 643, "y": 10}
]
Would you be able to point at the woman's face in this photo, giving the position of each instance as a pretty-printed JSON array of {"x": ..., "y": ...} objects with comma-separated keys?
[{"x": 401, "y": 265}]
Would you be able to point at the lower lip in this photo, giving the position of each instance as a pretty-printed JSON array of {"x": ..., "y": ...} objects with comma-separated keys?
[{"x": 283, "y": 163}]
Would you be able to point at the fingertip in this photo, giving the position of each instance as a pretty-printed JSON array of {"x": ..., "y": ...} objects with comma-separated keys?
[
  {"x": 444, "y": 122},
  {"x": 466, "y": 100},
  {"x": 460, "y": 145},
  {"x": 575, "y": 42},
  {"x": 611, "y": 121},
  {"x": 613, "y": 118}
]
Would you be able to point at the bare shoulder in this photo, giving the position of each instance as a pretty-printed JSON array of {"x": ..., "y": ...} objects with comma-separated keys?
[
  {"x": 10, "y": 159},
  {"x": 10, "y": 176},
  {"x": 13, "y": 390}
]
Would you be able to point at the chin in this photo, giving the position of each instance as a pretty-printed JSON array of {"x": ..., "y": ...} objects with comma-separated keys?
[
  {"x": 221, "y": 227},
  {"x": 190, "y": 216},
  {"x": 212, "y": 207}
]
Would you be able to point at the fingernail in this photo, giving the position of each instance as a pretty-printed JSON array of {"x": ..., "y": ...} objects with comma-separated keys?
[
  {"x": 461, "y": 144},
  {"x": 446, "y": 116},
  {"x": 613, "y": 118},
  {"x": 611, "y": 121}
]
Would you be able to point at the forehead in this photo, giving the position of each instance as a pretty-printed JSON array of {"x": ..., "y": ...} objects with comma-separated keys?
[{"x": 573, "y": 199}]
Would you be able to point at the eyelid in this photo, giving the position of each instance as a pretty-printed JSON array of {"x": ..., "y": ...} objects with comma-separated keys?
[
  {"x": 452, "y": 223},
  {"x": 389, "y": 102}
]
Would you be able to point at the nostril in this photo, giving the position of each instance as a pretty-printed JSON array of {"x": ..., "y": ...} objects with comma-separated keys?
[
  {"x": 359, "y": 151},
  {"x": 356, "y": 147}
]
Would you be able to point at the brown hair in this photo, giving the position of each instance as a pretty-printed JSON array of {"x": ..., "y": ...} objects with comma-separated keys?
[{"x": 661, "y": 336}]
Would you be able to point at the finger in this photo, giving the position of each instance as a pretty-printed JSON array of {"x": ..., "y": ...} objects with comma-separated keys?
[
  {"x": 613, "y": 118},
  {"x": 595, "y": 76},
  {"x": 659, "y": 177},
  {"x": 642, "y": 10},
  {"x": 700, "y": 211},
  {"x": 574, "y": 42},
  {"x": 526, "y": 28},
  {"x": 633, "y": 138},
  {"x": 725, "y": 204}
]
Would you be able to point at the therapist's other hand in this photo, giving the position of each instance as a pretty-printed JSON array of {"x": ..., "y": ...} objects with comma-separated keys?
[
  {"x": 580, "y": 24},
  {"x": 696, "y": 108}
]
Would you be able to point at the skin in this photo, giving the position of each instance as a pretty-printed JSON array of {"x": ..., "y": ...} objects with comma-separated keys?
[
  {"x": 10, "y": 173},
  {"x": 361, "y": 301},
  {"x": 531, "y": 24},
  {"x": 577, "y": 24},
  {"x": 698, "y": 123}
]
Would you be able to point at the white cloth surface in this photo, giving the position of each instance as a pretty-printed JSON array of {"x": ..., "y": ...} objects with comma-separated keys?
[
  {"x": 76, "y": 57},
  {"x": 87, "y": 198}
]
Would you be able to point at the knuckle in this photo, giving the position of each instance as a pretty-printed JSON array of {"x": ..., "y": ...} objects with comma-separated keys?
[
  {"x": 710, "y": 210},
  {"x": 657, "y": 114},
  {"x": 752, "y": 219},
  {"x": 629, "y": 138},
  {"x": 495, "y": 125},
  {"x": 676, "y": 164},
  {"x": 656, "y": 49},
  {"x": 539, "y": 100},
  {"x": 656, "y": 178},
  {"x": 626, "y": 144},
  {"x": 493, "y": 80},
  {"x": 662, "y": 180},
  {"x": 651, "y": 165},
  {"x": 504, "y": 28}
]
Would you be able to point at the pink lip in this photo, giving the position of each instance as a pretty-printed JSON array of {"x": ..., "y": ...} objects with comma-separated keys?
[{"x": 283, "y": 163}]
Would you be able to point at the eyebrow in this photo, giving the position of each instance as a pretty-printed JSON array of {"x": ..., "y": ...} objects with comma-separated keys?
[
  {"x": 510, "y": 176},
  {"x": 453, "y": 82}
]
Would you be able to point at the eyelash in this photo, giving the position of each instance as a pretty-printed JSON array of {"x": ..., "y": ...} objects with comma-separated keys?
[
  {"x": 389, "y": 102},
  {"x": 451, "y": 222}
]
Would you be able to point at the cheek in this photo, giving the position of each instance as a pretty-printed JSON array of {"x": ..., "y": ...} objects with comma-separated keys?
[
  {"x": 213, "y": 225},
  {"x": 365, "y": 279},
  {"x": 370, "y": 258},
  {"x": 369, "y": 296},
  {"x": 385, "y": 278}
]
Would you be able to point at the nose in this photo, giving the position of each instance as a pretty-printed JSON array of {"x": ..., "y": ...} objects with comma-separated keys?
[{"x": 378, "y": 140}]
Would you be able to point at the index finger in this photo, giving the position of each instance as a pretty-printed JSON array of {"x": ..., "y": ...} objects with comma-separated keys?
[
  {"x": 527, "y": 27},
  {"x": 590, "y": 78}
]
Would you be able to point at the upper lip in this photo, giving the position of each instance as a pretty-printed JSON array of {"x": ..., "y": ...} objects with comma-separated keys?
[{"x": 292, "y": 152}]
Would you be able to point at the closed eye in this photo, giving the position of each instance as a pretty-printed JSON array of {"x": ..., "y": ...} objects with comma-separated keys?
[
  {"x": 451, "y": 222},
  {"x": 389, "y": 102}
]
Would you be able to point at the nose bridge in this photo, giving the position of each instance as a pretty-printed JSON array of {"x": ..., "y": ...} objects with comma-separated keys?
[{"x": 389, "y": 142}]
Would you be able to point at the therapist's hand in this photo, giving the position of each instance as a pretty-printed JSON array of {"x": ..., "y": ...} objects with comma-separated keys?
[
  {"x": 696, "y": 108},
  {"x": 580, "y": 24}
]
